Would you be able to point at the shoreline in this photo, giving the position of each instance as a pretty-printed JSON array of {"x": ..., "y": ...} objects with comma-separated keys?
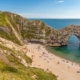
[
  {"x": 52, "y": 52},
  {"x": 44, "y": 59}
]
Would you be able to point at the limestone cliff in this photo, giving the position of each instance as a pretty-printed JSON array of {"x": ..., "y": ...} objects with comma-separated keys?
[
  {"x": 21, "y": 30},
  {"x": 15, "y": 31}
]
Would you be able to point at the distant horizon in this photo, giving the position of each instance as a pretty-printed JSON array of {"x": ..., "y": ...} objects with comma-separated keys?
[
  {"x": 53, "y": 18},
  {"x": 38, "y": 17},
  {"x": 43, "y": 8}
]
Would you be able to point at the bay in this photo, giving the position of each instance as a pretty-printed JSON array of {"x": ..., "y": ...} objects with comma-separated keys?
[{"x": 72, "y": 50}]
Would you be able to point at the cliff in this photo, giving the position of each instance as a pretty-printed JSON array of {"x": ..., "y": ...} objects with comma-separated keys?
[
  {"x": 15, "y": 31},
  {"x": 61, "y": 36},
  {"x": 21, "y": 30}
]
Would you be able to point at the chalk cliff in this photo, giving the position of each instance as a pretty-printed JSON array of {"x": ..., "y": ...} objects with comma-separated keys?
[
  {"x": 15, "y": 31},
  {"x": 22, "y": 30}
]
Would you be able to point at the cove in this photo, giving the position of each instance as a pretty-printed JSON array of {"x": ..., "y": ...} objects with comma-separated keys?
[{"x": 70, "y": 52}]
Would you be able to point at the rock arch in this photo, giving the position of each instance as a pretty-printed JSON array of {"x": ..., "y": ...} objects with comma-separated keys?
[{"x": 60, "y": 37}]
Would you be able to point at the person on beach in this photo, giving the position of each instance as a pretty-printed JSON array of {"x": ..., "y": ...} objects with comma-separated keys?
[
  {"x": 58, "y": 63},
  {"x": 39, "y": 65},
  {"x": 38, "y": 47},
  {"x": 66, "y": 61},
  {"x": 40, "y": 56},
  {"x": 32, "y": 56},
  {"x": 50, "y": 58},
  {"x": 44, "y": 59},
  {"x": 47, "y": 69},
  {"x": 43, "y": 53}
]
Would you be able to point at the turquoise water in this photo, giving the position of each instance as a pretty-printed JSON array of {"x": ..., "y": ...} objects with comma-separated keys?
[{"x": 72, "y": 50}]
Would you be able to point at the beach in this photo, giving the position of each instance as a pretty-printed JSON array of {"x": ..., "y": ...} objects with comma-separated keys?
[{"x": 62, "y": 68}]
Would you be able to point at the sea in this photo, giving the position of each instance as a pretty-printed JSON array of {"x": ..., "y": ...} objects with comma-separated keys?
[{"x": 72, "y": 50}]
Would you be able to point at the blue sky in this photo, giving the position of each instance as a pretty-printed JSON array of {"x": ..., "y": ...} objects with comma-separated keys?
[{"x": 43, "y": 8}]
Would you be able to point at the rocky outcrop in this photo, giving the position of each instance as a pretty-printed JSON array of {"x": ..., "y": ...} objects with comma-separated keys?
[
  {"x": 42, "y": 33},
  {"x": 21, "y": 30},
  {"x": 61, "y": 37}
]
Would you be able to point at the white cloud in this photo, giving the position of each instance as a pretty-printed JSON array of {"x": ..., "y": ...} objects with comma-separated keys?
[{"x": 60, "y": 1}]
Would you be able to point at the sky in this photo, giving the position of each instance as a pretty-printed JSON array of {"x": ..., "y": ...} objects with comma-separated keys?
[{"x": 42, "y": 8}]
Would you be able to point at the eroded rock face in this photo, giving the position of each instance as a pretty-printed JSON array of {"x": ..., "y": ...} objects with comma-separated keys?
[
  {"x": 42, "y": 33},
  {"x": 22, "y": 30},
  {"x": 61, "y": 36}
]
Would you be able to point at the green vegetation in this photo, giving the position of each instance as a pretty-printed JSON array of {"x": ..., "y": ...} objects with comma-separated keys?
[
  {"x": 2, "y": 19},
  {"x": 6, "y": 68},
  {"x": 15, "y": 70},
  {"x": 48, "y": 31},
  {"x": 42, "y": 25},
  {"x": 7, "y": 31},
  {"x": 13, "y": 54},
  {"x": 16, "y": 28},
  {"x": 8, "y": 72}
]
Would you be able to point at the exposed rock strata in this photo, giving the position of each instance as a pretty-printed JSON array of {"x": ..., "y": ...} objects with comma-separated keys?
[{"x": 21, "y": 30}]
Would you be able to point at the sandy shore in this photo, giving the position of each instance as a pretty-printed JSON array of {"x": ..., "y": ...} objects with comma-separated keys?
[{"x": 63, "y": 69}]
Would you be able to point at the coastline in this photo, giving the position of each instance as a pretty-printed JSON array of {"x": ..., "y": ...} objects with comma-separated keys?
[
  {"x": 62, "y": 57},
  {"x": 42, "y": 58}
]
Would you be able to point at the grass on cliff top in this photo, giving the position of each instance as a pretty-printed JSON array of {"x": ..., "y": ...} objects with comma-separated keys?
[
  {"x": 8, "y": 72},
  {"x": 2, "y": 19}
]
